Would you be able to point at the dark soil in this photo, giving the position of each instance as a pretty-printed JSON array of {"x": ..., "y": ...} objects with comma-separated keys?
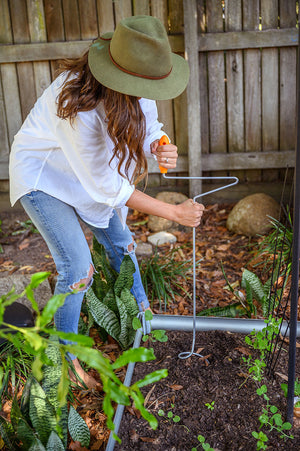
[{"x": 192, "y": 383}]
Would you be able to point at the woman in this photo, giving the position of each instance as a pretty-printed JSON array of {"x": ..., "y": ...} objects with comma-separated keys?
[{"x": 82, "y": 150}]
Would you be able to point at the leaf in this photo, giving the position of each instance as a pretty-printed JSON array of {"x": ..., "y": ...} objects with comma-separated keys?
[
  {"x": 155, "y": 376},
  {"x": 103, "y": 316},
  {"x": 42, "y": 413},
  {"x": 78, "y": 428},
  {"x": 54, "y": 443},
  {"x": 125, "y": 278},
  {"x": 134, "y": 355},
  {"x": 50, "y": 308}
]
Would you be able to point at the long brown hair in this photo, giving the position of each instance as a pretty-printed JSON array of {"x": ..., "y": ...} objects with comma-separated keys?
[{"x": 126, "y": 124}]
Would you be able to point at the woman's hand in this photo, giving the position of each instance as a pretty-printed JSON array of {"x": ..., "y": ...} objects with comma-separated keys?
[
  {"x": 166, "y": 155},
  {"x": 189, "y": 213}
]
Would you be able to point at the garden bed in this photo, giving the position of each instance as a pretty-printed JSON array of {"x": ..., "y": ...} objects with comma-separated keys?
[{"x": 216, "y": 400}]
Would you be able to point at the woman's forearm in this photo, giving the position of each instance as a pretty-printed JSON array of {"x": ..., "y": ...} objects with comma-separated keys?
[
  {"x": 147, "y": 204},
  {"x": 188, "y": 213}
]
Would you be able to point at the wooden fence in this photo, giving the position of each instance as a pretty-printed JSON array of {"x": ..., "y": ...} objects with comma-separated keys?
[{"x": 238, "y": 113}]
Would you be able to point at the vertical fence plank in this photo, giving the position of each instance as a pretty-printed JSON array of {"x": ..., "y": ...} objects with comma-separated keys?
[
  {"x": 55, "y": 27},
  {"x": 37, "y": 30},
  {"x": 270, "y": 94},
  {"x": 71, "y": 19},
  {"x": 5, "y": 36},
  {"x": 19, "y": 21},
  {"x": 252, "y": 88},
  {"x": 12, "y": 108},
  {"x": 203, "y": 81},
  {"x": 141, "y": 7},
  {"x": 159, "y": 9},
  {"x": 88, "y": 19},
  {"x": 287, "y": 66},
  {"x": 122, "y": 9},
  {"x": 105, "y": 16},
  {"x": 234, "y": 76},
  {"x": 216, "y": 84},
  {"x": 193, "y": 96}
]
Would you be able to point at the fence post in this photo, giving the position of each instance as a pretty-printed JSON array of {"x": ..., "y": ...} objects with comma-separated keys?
[{"x": 193, "y": 95}]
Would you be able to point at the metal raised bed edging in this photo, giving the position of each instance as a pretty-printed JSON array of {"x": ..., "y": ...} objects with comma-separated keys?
[{"x": 186, "y": 323}]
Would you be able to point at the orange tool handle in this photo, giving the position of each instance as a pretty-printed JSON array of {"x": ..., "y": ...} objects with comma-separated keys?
[{"x": 162, "y": 142}]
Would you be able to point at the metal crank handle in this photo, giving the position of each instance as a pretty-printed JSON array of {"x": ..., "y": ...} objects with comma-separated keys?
[{"x": 234, "y": 180}]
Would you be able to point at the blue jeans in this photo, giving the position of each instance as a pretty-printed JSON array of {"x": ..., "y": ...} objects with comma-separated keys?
[{"x": 59, "y": 226}]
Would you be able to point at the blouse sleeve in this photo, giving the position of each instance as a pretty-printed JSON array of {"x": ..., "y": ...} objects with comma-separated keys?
[
  {"x": 84, "y": 144},
  {"x": 153, "y": 126}
]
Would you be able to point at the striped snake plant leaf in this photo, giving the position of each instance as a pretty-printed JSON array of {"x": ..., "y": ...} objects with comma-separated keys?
[
  {"x": 54, "y": 443},
  {"x": 125, "y": 278},
  {"x": 42, "y": 413},
  {"x": 7, "y": 434},
  {"x": 27, "y": 435},
  {"x": 78, "y": 428},
  {"x": 99, "y": 286},
  {"x": 103, "y": 316},
  {"x": 130, "y": 303},
  {"x": 255, "y": 284},
  {"x": 52, "y": 373},
  {"x": 110, "y": 301},
  {"x": 127, "y": 333}
]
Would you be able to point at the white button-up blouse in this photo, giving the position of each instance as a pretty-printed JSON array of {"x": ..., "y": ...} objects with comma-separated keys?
[{"x": 71, "y": 161}]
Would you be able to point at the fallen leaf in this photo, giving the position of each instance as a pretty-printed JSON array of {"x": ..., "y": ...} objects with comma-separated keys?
[
  {"x": 25, "y": 243},
  {"x": 283, "y": 376},
  {"x": 76, "y": 446},
  {"x": 176, "y": 387},
  {"x": 243, "y": 350},
  {"x": 155, "y": 441}
]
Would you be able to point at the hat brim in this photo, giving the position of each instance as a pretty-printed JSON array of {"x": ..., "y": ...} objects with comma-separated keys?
[{"x": 108, "y": 74}]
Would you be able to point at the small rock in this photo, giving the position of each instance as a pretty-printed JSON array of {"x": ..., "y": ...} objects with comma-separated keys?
[
  {"x": 251, "y": 215},
  {"x": 143, "y": 250},
  {"x": 42, "y": 293},
  {"x": 161, "y": 238},
  {"x": 156, "y": 224}
]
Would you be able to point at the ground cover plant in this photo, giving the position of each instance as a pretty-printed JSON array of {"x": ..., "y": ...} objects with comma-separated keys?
[{"x": 223, "y": 384}]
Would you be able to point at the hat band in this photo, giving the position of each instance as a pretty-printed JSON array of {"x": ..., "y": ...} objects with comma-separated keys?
[{"x": 149, "y": 77}]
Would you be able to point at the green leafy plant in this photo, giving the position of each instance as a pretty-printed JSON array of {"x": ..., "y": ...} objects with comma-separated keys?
[
  {"x": 35, "y": 342},
  {"x": 15, "y": 367},
  {"x": 109, "y": 301},
  {"x": 271, "y": 417},
  {"x": 161, "y": 276},
  {"x": 261, "y": 438},
  {"x": 204, "y": 445},
  {"x": 210, "y": 405},
  {"x": 25, "y": 226},
  {"x": 245, "y": 306},
  {"x": 40, "y": 422},
  {"x": 278, "y": 244},
  {"x": 154, "y": 335},
  {"x": 169, "y": 415}
]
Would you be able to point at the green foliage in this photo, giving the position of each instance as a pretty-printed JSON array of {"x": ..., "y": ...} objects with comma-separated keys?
[
  {"x": 210, "y": 405},
  {"x": 204, "y": 445},
  {"x": 254, "y": 290},
  {"x": 162, "y": 275},
  {"x": 109, "y": 302},
  {"x": 270, "y": 417},
  {"x": 169, "y": 415},
  {"x": 15, "y": 366},
  {"x": 154, "y": 335},
  {"x": 277, "y": 244},
  {"x": 41, "y": 420}
]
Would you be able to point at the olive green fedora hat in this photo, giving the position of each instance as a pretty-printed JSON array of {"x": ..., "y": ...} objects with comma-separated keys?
[{"x": 136, "y": 59}]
